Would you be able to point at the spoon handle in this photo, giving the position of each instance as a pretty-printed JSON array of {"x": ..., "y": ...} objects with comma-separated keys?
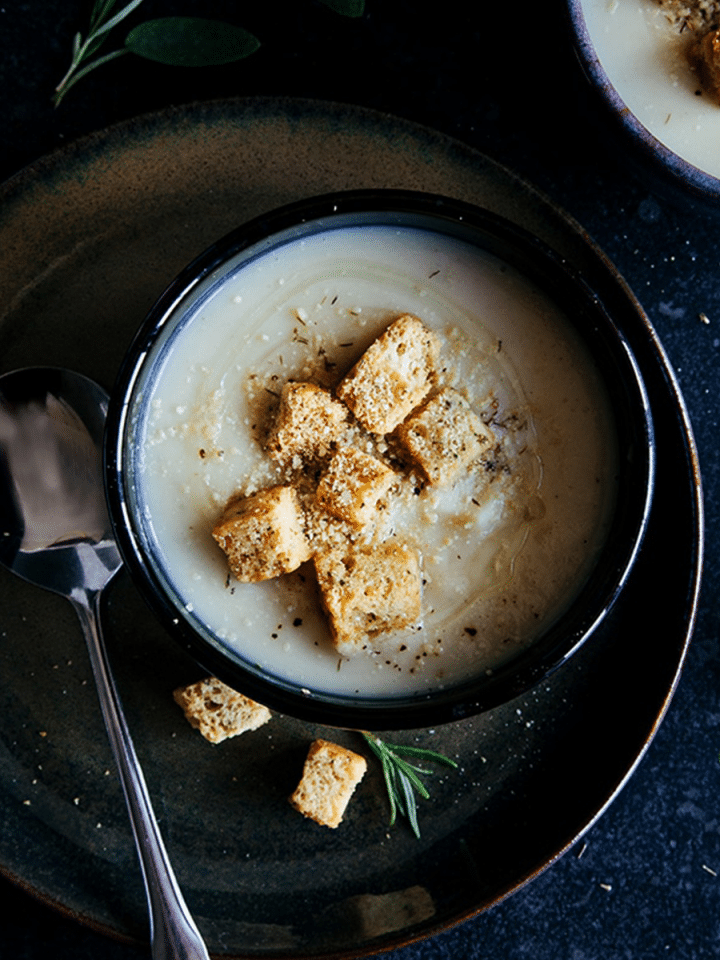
[{"x": 174, "y": 934}]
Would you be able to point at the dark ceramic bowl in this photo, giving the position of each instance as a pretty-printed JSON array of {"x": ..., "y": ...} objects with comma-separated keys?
[
  {"x": 491, "y": 235},
  {"x": 652, "y": 136}
]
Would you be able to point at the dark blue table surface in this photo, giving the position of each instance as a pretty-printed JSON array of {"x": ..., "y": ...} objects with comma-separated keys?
[{"x": 645, "y": 881}]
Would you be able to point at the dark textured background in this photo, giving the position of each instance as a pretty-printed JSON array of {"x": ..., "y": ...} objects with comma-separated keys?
[{"x": 648, "y": 882}]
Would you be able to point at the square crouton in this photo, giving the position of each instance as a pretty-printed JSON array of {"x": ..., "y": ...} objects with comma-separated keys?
[
  {"x": 307, "y": 422},
  {"x": 262, "y": 535},
  {"x": 367, "y": 591},
  {"x": 218, "y": 711},
  {"x": 329, "y": 778},
  {"x": 352, "y": 485},
  {"x": 393, "y": 376},
  {"x": 444, "y": 436}
]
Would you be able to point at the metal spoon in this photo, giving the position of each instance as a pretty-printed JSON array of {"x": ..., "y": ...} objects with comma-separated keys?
[{"x": 55, "y": 532}]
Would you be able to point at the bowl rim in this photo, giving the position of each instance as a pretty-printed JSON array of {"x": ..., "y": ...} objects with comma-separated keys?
[
  {"x": 691, "y": 178},
  {"x": 541, "y": 265}
]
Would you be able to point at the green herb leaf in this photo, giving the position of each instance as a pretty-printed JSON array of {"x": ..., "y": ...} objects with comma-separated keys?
[
  {"x": 119, "y": 16},
  {"x": 101, "y": 9},
  {"x": 422, "y": 754},
  {"x": 70, "y": 81},
  {"x": 346, "y": 8},
  {"x": 402, "y": 780},
  {"x": 191, "y": 41},
  {"x": 82, "y": 50}
]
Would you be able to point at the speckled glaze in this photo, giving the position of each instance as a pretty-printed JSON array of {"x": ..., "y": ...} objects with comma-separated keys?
[
  {"x": 673, "y": 176},
  {"x": 90, "y": 237}
]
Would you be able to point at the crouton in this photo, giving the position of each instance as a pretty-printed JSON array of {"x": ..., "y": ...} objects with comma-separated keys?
[
  {"x": 352, "y": 485},
  {"x": 218, "y": 711},
  {"x": 262, "y": 535},
  {"x": 307, "y": 422},
  {"x": 330, "y": 775},
  {"x": 705, "y": 55},
  {"x": 443, "y": 436},
  {"x": 367, "y": 591},
  {"x": 393, "y": 376}
]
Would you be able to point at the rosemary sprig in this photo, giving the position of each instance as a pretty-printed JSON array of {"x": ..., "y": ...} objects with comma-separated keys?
[
  {"x": 175, "y": 41},
  {"x": 402, "y": 778}
]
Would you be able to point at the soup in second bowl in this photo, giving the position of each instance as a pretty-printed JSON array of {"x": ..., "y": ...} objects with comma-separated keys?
[{"x": 643, "y": 47}]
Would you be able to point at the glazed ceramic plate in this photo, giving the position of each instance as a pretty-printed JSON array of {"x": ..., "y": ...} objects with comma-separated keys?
[{"x": 89, "y": 238}]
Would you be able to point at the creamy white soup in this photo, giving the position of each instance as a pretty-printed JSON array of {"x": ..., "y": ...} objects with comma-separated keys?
[
  {"x": 644, "y": 58},
  {"x": 499, "y": 560}
]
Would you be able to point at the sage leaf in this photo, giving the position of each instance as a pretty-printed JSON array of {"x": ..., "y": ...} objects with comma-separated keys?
[
  {"x": 190, "y": 41},
  {"x": 346, "y": 8}
]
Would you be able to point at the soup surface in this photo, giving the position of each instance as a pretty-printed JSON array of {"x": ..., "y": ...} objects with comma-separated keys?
[
  {"x": 645, "y": 60},
  {"x": 500, "y": 557}
]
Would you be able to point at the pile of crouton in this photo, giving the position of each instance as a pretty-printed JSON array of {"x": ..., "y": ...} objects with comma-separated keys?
[{"x": 368, "y": 584}]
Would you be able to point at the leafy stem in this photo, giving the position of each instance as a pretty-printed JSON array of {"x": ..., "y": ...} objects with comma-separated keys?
[
  {"x": 100, "y": 24},
  {"x": 403, "y": 778},
  {"x": 175, "y": 41}
]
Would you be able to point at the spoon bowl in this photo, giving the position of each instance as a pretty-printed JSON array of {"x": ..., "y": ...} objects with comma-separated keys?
[
  {"x": 55, "y": 533},
  {"x": 53, "y": 516}
]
